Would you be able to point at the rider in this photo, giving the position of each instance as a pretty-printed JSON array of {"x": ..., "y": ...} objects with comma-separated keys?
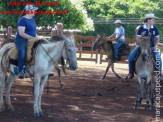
[
  {"x": 148, "y": 26},
  {"x": 26, "y": 29},
  {"x": 118, "y": 37}
]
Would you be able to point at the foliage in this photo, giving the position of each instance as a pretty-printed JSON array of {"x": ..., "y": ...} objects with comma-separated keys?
[
  {"x": 109, "y": 9},
  {"x": 74, "y": 19}
]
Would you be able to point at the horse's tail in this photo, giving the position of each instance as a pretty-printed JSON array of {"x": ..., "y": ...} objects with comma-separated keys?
[{"x": 4, "y": 53}]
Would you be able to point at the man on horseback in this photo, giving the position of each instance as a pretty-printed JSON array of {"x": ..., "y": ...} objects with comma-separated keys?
[
  {"x": 147, "y": 28},
  {"x": 26, "y": 29},
  {"x": 118, "y": 37}
]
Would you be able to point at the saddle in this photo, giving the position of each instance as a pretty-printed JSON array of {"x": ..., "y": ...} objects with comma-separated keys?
[
  {"x": 124, "y": 50},
  {"x": 31, "y": 48}
]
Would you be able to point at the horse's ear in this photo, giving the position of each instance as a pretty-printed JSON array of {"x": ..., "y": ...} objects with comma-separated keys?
[
  {"x": 102, "y": 35},
  {"x": 149, "y": 34},
  {"x": 142, "y": 34}
]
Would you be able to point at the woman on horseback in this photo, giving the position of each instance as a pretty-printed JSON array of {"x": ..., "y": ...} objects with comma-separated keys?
[{"x": 26, "y": 29}]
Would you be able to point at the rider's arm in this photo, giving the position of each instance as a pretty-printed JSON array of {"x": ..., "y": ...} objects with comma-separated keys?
[
  {"x": 112, "y": 36},
  {"x": 139, "y": 34},
  {"x": 117, "y": 37},
  {"x": 22, "y": 33},
  {"x": 157, "y": 37},
  {"x": 157, "y": 41}
]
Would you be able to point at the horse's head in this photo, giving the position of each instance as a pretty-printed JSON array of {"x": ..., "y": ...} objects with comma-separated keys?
[
  {"x": 145, "y": 45},
  {"x": 70, "y": 51},
  {"x": 98, "y": 42}
]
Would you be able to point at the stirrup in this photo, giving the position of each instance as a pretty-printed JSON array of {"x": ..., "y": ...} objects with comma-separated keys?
[
  {"x": 21, "y": 75},
  {"x": 131, "y": 76}
]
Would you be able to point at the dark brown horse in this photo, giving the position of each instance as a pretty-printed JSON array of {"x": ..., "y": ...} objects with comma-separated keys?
[{"x": 100, "y": 41}]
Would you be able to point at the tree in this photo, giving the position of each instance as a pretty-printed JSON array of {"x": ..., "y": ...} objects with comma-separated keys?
[
  {"x": 73, "y": 19},
  {"x": 109, "y": 9}
]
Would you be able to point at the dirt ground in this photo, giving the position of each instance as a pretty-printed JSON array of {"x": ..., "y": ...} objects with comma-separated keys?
[{"x": 84, "y": 98}]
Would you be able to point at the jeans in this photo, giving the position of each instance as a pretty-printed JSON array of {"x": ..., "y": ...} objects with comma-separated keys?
[
  {"x": 118, "y": 43},
  {"x": 21, "y": 45},
  {"x": 133, "y": 55}
]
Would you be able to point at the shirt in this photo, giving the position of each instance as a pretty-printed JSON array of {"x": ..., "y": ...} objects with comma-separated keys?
[
  {"x": 30, "y": 26},
  {"x": 153, "y": 30},
  {"x": 118, "y": 31}
]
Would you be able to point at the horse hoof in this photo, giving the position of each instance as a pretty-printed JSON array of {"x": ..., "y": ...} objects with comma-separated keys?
[
  {"x": 41, "y": 113},
  {"x": 102, "y": 78},
  {"x": 136, "y": 107},
  {"x": 149, "y": 108},
  {"x": 11, "y": 109},
  {"x": 153, "y": 105},
  {"x": 61, "y": 85},
  {"x": 36, "y": 114},
  {"x": 2, "y": 109}
]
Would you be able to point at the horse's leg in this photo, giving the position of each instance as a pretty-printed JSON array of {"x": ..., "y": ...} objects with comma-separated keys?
[
  {"x": 152, "y": 94},
  {"x": 36, "y": 94},
  {"x": 147, "y": 93},
  {"x": 2, "y": 85},
  {"x": 115, "y": 72},
  {"x": 137, "y": 104},
  {"x": 8, "y": 85},
  {"x": 42, "y": 84},
  {"x": 141, "y": 92},
  {"x": 109, "y": 64},
  {"x": 59, "y": 75}
]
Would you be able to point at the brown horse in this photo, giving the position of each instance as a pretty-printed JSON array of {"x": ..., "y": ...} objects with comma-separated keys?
[{"x": 100, "y": 41}]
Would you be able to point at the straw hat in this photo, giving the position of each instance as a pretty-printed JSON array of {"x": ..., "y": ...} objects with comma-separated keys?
[{"x": 150, "y": 15}]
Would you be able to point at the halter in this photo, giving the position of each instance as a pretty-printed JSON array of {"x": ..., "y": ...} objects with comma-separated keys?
[{"x": 71, "y": 44}]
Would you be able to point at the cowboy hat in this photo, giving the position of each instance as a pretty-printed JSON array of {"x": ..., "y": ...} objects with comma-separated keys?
[{"x": 150, "y": 15}]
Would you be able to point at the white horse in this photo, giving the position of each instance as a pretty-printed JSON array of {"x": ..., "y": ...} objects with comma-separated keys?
[{"x": 45, "y": 58}]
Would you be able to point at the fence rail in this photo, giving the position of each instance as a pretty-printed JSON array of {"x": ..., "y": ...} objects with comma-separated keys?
[{"x": 81, "y": 46}]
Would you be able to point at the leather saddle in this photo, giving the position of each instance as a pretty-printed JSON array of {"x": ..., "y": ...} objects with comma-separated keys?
[{"x": 124, "y": 50}]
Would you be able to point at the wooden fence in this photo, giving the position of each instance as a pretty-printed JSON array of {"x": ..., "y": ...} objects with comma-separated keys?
[
  {"x": 81, "y": 46},
  {"x": 88, "y": 45}
]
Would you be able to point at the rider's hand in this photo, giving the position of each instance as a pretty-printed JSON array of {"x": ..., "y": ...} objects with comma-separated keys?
[
  {"x": 137, "y": 42},
  {"x": 155, "y": 48},
  {"x": 113, "y": 42}
]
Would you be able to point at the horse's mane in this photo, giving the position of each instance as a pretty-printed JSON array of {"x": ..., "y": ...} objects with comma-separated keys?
[
  {"x": 56, "y": 38},
  {"x": 6, "y": 40}
]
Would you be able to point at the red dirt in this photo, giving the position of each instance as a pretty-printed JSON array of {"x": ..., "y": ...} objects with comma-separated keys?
[{"x": 83, "y": 98}]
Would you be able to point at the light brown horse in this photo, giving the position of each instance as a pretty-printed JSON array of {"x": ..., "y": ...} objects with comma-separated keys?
[
  {"x": 100, "y": 41},
  {"x": 144, "y": 69}
]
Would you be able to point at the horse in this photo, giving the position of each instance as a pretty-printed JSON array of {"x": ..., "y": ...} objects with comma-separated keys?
[
  {"x": 100, "y": 41},
  {"x": 56, "y": 66},
  {"x": 46, "y": 56},
  {"x": 144, "y": 68}
]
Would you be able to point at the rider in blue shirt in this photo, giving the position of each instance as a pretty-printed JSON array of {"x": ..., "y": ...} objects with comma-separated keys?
[
  {"x": 146, "y": 28},
  {"x": 118, "y": 37},
  {"x": 26, "y": 29}
]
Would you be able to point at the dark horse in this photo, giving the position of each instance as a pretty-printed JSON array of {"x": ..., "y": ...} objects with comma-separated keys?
[{"x": 100, "y": 41}]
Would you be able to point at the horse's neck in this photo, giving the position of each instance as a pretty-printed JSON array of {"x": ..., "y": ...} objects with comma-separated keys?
[
  {"x": 54, "y": 50},
  {"x": 107, "y": 47}
]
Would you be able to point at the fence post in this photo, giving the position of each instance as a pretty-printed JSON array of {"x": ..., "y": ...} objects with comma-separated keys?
[
  {"x": 80, "y": 50},
  {"x": 9, "y": 33},
  {"x": 53, "y": 32},
  {"x": 59, "y": 29},
  {"x": 101, "y": 55},
  {"x": 96, "y": 56}
]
